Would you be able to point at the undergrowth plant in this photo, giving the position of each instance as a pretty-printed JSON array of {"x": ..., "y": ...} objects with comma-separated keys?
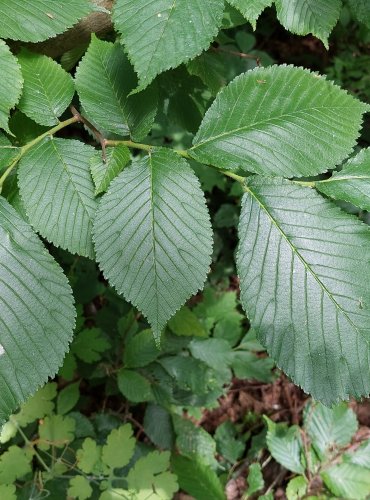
[{"x": 129, "y": 198}]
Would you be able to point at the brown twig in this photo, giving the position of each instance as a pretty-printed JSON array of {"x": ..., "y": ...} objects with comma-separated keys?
[
  {"x": 98, "y": 135},
  {"x": 242, "y": 55}
]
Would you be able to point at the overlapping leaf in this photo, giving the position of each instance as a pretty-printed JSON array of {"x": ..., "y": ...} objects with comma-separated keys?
[
  {"x": 153, "y": 236},
  {"x": 48, "y": 89},
  {"x": 36, "y": 312},
  {"x": 104, "y": 80},
  {"x": 37, "y": 20},
  {"x": 162, "y": 34},
  {"x": 303, "y": 266},
  {"x": 251, "y": 9},
  {"x": 104, "y": 172},
  {"x": 11, "y": 83},
  {"x": 309, "y": 16},
  {"x": 58, "y": 193},
  {"x": 352, "y": 183},
  {"x": 281, "y": 121}
]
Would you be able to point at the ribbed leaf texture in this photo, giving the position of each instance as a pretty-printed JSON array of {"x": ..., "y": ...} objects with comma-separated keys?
[
  {"x": 361, "y": 9},
  {"x": 347, "y": 481},
  {"x": 285, "y": 445},
  {"x": 11, "y": 84},
  {"x": 37, "y": 20},
  {"x": 36, "y": 312},
  {"x": 7, "y": 151},
  {"x": 304, "y": 277},
  {"x": 162, "y": 34},
  {"x": 352, "y": 183},
  {"x": 251, "y": 9},
  {"x": 58, "y": 193},
  {"x": 309, "y": 16},
  {"x": 104, "y": 172},
  {"x": 104, "y": 80},
  {"x": 153, "y": 237},
  {"x": 280, "y": 120},
  {"x": 47, "y": 90}
]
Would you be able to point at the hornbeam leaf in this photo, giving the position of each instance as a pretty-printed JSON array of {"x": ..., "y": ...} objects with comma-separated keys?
[
  {"x": 11, "y": 84},
  {"x": 104, "y": 80},
  {"x": 304, "y": 277},
  {"x": 251, "y": 9},
  {"x": 37, "y": 20},
  {"x": 48, "y": 89},
  {"x": 104, "y": 172},
  {"x": 309, "y": 16},
  {"x": 36, "y": 312},
  {"x": 163, "y": 34},
  {"x": 347, "y": 481},
  {"x": 58, "y": 193},
  {"x": 282, "y": 121},
  {"x": 352, "y": 183},
  {"x": 153, "y": 237}
]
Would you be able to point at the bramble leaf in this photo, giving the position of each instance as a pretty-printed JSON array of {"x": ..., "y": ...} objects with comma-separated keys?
[
  {"x": 163, "y": 34},
  {"x": 37, "y": 20},
  {"x": 47, "y": 88},
  {"x": 309, "y": 16},
  {"x": 312, "y": 266},
  {"x": 58, "y": 193},
  {"x": 153, "y": 237},
  {"x": 104, "y": 80},
  {"x": 282, "y": 121},
  {"x": 11, "y": 83},
  {"x": 36, "y": 312}
]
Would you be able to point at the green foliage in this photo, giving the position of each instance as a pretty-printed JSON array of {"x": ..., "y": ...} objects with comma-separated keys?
[{"x": 11, "y": 86}]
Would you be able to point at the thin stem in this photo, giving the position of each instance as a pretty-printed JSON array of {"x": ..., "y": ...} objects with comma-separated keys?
[
  {"x": 27, "y": 147},
  {"x": 236, "y": 177},
  {"x": 305, "y": 183},
  {"x": 29, "y": 443},
  {"x": 129, "y": 144}
]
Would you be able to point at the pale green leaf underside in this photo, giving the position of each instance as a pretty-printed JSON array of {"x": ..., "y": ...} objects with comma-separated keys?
[
  {"x": 104, "y": 80},
  {"x": 305, "y": 286},
  {"x": 37, "y": 20},
  {"x": 285, "y": 445},
  {"x": 48, "y": 89},
  {"x": 11, "y": 83},
  {"x": 352, "y": 183},
  {"x": 251, "y": 9},
  {"x": 162, "y": 34},
  {"x": 153, "y": 237},
  {"x": 58, "y": 193},
  {"x": 281, "y": 120},
  {"x": 309, "y": 16},
  {"x": 348, "y": 481},
  {"x": 104, "y": 172},
  {"x": 36, "y": 312}
]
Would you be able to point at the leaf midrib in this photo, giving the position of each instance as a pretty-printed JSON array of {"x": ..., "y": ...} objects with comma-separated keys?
[{"x": 303, "y": 260}]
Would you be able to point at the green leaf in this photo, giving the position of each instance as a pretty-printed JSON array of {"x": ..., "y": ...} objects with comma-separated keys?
[
  {"x": 57, "y": 431},
  {"x": 89, "y": 457},
  {"x": 197, "y": 479},
  {"x": 158, "y": 426},
  {"x": 134, "y": 386},
  {"x": 15, "y": 463},
  {"x": 347, "y": 481},
  {"x": 37, "y": 406},
  {"x": 104, "y": 172},
  {"x": 151, "y": 478},
  {"x": 312, "y": 266},
  {"x": 140, "y": 350},
  {"x": 58, "y": 193},
  {"x": 309, "y": 16},
  {"x": 79, "y": 488},
  {"x": 11, "y": 81},
  {"x": 280, "y": 120},
  {"x": 37, "y": 20},
  {"x": 89, "y": 344},
  {"x": 164, "y": 34},
  {"x": 37, "y": 315},
  {"x": 104, "y": 80},
  {"x": 361, "y": 456},
  {"x": 67, "y": 398},
  {"x": 186, "y": 324},
  {"x": 285, "y": 445},
  {"x": 210, "y": 69},
  {"x": 8, "y": 492},
  {"x": 352, "y": 183},
  {"x": 251, "y": 9},
  {"x": 255, "y": 479},
  {"x": 297, "y": 488},
  {"x": 329, "y": 427},
  {"x": 7, "y": 151},
  {"x": 153, "y": 237},
  {"x": 247, "y": 365},
  {"x": 47, "y": 88},
  {"x": 228, "y": 445},
  {"x": 361, "y": 10},
  {"x": 215, "y": 353},
  {"x": 119, "y": 448}
]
